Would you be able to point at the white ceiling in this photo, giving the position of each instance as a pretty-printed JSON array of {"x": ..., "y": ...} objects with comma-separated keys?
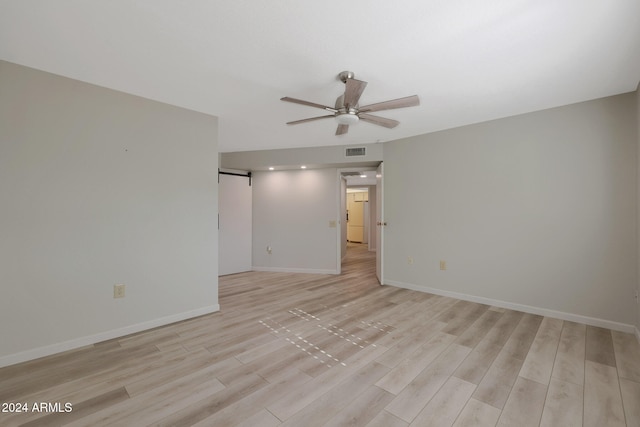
[{"x": 468, "y": 61}]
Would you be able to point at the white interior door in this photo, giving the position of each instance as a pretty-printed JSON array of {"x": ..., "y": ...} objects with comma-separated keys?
[
  {"x": 234, "y": 234},
  {"x": 365, "y": 222},
  {"x": 379, "y": 223},
  {"x": 355, "y": 231}
]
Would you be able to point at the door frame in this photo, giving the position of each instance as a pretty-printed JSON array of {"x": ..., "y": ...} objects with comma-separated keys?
[
  {"x": 341, "y": 229},
  {"x": 235, "y": 216},
  {"x": 380, "y": 223},
  {"x": 341, "y": 203}
]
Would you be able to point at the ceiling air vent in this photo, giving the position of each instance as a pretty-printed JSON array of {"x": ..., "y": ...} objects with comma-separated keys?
[{"x": 358, "y": 151}]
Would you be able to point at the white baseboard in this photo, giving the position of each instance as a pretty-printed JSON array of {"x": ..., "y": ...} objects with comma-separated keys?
[
  {"x": 295, "y": 270},
  {"x": 48, "y": 350},
  {"x": 592, "y": 321}
]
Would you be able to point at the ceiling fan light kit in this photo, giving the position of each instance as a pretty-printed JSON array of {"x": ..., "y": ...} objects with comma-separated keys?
[
  {"x": 347, "y": 110},
  {"x": 347, "y": 118}
]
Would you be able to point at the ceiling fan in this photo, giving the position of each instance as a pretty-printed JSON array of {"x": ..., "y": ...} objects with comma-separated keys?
[{"x": 347, "y": 111}]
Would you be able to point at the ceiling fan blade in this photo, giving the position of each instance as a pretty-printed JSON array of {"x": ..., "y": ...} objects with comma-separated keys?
[
  {"x": 381, "y": 121},
  {"x": 342, "y": 129},
  {"x": 310, "y": 104},
  {"x": 409, "y": 101},
  {"x": 353, "y": 91},
  {"x": 295, "y": 122}
]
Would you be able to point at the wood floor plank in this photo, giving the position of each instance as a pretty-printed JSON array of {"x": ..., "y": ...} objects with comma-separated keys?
[
  {"x": 304, "y": 395},
  {"x": 631, "y": 401},
  {"x": 626, "y": 348},
  {"x": 238, "y": 412},
  {"x": 569, "y": 363},
  {"x": 476, "y": 365},
  {"x": 446, "y": 405},
  {"x": 209, "y": 405},
  {"x": 153, "y": 405},
  {"x": 198, "y": 363},
  {"x": 602, "y": 399},
  {"x": 599, "y": 346},
  {"x": 405, "y": 372},
  {"x": 520, "y": 341},
  {"x": 98, "y": 383},
  {"x": 263, "y": 418},
  {"x": 539, "y": 362},
  {"x": 504, "y": 327},
  {"x": 496, "y": 385},
  {"x": 363, "y": 409},
  {"x": 37, "y": 375},
  {"x": 385, "y": 419},
  {"x": 465, "y": 319},
  {"x": 410, "y": 343},
  {"x": 322, "y": 409},
  {"x": 524, "y": 405},
  {"x": 564, "y": 405},
  {"x": 477, "y": 331},
  {"x": 477, "y": 414},
  {"x": 261, "y": 351},
  {"x": 416, "y": 395}
]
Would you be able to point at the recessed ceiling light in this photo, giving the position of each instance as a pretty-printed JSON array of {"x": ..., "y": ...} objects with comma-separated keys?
[
  {"x": 271, "y": 168},
  {"x": 363, "y": 176},
  {"x": 303, "y": 167}
]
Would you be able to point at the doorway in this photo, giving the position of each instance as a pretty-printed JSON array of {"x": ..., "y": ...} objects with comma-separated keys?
[
  {"x": 358, "y": 214},
  {"x": 234, "y": 223}
]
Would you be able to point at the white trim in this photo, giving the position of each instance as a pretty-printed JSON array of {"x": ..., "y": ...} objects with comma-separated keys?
[
  {"x": 48, "y": 350},
  {"x": 592, "y": 321},
  {"x": 340, "y": 257},
  {"x": 295, "y": 270}
]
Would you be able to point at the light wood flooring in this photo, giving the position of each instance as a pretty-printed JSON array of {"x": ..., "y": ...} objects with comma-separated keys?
[{"x": 322, "y": 350}]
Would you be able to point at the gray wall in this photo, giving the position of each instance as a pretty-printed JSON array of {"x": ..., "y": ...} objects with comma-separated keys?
[
  {"x": 537, "y": 210},
  {"x": 100, "y": 187},
  {"x": 291, "y": 214}
]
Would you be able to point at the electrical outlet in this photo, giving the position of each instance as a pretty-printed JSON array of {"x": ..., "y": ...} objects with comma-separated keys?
[
  {"x": 443, "y": 265},
  {"x": 410, "y": 260},
  {"x": 118, "y": 291}
]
